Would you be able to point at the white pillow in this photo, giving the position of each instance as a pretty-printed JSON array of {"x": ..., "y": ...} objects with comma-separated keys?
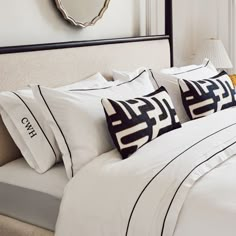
[
  {"x": 204, "y": 70},
  {"x": 126, "y": 75},
  {"x": 168, "y": 78},
  {"x": 172, "y": 87},
  {"x": 78, "y": 121},
  {"x": 28, "y": 127},
  {"x": 94, "y": 81},
  {"x": 123, "y": 76}
]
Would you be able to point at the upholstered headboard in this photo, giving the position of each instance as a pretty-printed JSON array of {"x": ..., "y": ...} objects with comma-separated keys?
[
  {"x": 58, "y": 64},
  {"x": 56, "y": 67}
]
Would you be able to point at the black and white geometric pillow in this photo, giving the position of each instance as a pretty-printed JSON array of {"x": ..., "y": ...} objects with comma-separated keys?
[
  {"x": 135, "y": 122},
  {"x": 204, "y": 97}
]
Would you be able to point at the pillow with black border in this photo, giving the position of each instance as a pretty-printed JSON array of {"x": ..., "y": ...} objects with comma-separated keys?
[
  {"x": 29, "y": 129},
  {"x": 205, "y": 97},
  {"x": 78, "y": 113},
  {"x": 169, "y": 77},
  {"x": 135, "y": 122}
]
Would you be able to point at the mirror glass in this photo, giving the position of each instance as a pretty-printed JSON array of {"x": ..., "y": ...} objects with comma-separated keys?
[{"x": 82, "y": 12}]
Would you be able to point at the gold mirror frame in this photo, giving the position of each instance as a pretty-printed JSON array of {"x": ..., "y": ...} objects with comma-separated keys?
[{"x": 77, "y": 23}]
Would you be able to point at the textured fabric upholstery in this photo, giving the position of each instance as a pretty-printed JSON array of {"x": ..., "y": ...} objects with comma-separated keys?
[
  {"x": 59, "y": 67},
  {"x": 8, "y": 149},
  {"x": 11, "y": 227}
]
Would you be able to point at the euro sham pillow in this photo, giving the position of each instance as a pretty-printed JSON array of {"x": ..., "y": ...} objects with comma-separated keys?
[
  {"x": 205, "y": 97},
  {"x": 170, "y": 82},
  {"x": 135, "y": 122},
  {"x": 28, "y": 127},
  {"x": 169, "y": 79},
  {"x": 77, "y": 118},
  {"x": 126, "y": 75},
  {"x": 192, "y": 72}
]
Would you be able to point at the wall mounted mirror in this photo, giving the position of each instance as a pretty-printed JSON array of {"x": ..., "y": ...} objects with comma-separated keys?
[{"x": 82, "y": 12}]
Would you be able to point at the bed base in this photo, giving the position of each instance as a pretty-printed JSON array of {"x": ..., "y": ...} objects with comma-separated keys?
[{"x": 12, "y": 227}]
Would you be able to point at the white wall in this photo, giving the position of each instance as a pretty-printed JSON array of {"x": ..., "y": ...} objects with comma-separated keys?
[
  {"x": 196, "y": 20},
  {"x": 183, "y": 31},
  {"x": 38, "y": 21}
]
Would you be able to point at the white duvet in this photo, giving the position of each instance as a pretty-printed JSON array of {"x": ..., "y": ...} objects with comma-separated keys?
[{"x": 159, "y": 191}]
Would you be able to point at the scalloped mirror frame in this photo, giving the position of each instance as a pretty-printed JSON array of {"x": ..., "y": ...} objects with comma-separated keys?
[{"x": 77, "y": 23}]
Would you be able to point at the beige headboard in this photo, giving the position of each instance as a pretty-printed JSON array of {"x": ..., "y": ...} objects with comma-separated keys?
[{"x": 61, "y": 66}]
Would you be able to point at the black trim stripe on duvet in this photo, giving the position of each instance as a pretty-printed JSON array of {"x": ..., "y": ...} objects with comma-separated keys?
[
  {"x": 72, "y": 172},
  {"x": 159, "y": 172},
  {"x": 208, "y": 159},
  {"x": 22, "y": 100}
]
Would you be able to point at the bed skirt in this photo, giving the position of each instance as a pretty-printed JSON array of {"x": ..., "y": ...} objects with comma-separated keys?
[{"x": 12, "y": 227}]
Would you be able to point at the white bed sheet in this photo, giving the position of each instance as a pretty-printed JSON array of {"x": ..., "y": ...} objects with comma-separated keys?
[{"x": 31, "y": 197}]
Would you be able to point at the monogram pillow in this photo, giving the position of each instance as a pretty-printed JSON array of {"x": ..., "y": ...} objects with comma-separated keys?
[
  {"x": 204, "y": 97},
  {"x": 135, "y": 122},
  {"x": 28, "y": 127}
]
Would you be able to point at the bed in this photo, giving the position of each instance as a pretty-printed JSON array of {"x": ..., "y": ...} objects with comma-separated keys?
[
  {"x": 42, "y": 65},
  {"x": 194, "y": 172}
]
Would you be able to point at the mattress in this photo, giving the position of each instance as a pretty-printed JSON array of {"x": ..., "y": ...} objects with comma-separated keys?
[{"x": 31, "y": 197}]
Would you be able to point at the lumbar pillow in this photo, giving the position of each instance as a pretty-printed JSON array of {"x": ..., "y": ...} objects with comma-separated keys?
[
  {"x": 204, "y": 97},
  {"x": 77, "y": 118},
  {"x": 28, "y": 128},
  {"x": 135, "y": 122}
]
